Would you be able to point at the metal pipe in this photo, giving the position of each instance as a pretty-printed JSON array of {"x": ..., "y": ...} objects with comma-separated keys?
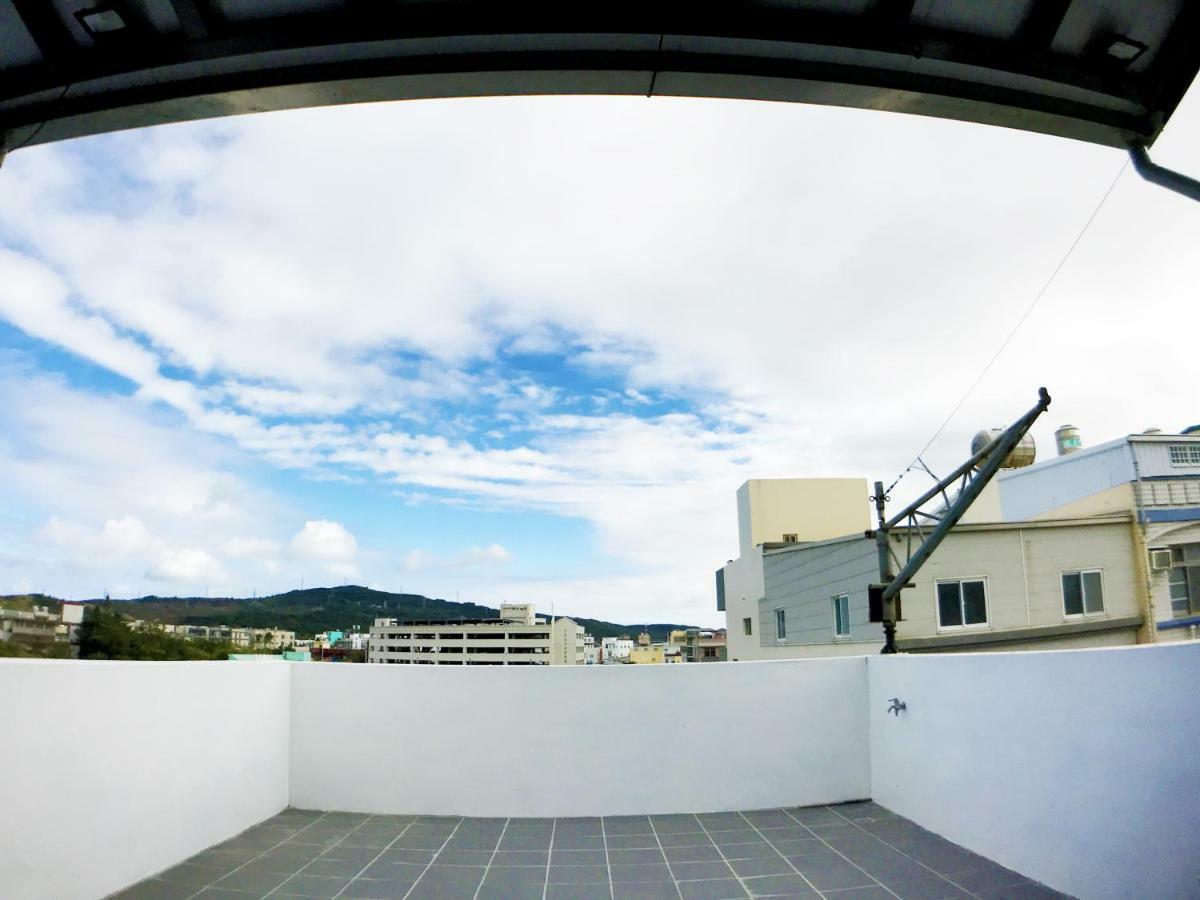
[
  {"x": 944, "y": 483},
  {"x": 1007, "y": 441},
  {"x": 1156, "y": 174}
]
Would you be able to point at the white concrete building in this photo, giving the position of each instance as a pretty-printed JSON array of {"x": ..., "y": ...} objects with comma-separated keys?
[
  {"x": 517, "y": 638},
  {"x": 1153, "y": 477},
  {"x": 592, "y": 654},
  {"x": 355, "y": 640},
  {"x": 616, "y": 650}
]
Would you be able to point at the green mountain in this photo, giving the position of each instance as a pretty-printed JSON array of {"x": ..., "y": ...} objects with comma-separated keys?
[{"x": 312, "y": 610}]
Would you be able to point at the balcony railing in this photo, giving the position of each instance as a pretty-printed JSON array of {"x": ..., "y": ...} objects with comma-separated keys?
[{"x": 1076, "y": 768}]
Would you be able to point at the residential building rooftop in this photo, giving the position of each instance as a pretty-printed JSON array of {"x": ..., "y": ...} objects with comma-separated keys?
[
  {"x": 850, "y": 851},
  {"x": 987, "y": 775}
]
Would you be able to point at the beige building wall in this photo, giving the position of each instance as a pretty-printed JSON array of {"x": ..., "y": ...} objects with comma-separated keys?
[
  {"x": 566, "y": 643},
  {"x": 1021, "y": 565},
  {"x": 1023, "y": 569},
  {"x": 1166, "y": 534},
  {"x": 813, "y": 509},
  {"x": 985, "y": 507},
  {"x": 646, "y": 655},
  {"x": 1114, "y": 500}
]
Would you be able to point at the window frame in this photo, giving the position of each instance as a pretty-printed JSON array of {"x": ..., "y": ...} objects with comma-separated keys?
[
  {"x": 960, "y": 580},
  {"x": 1098, "y": 570},
  {"x": 748, "y": 626},
  {"x": 780, "y": 624},
  {"x": 841, "y": 613},
  {"x": 1183, "y": 455}
]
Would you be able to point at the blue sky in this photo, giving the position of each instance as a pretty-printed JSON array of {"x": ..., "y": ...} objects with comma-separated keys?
[{"x": 526, "y": 349}]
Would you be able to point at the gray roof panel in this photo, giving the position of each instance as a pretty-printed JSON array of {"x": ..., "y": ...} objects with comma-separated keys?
[{"x": 1053, "y": 66}]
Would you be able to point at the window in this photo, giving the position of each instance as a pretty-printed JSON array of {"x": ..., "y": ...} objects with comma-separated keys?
[
  {"x": 1185, "y": 454},
  {"x": 1180, "y": 595},
  {"x": 1083, "y": 593},
  {"x": 841, "y": 616},
  {"x": 747, "y": 625},
  {"x": 780, "y": 625},
  {"x": 791, "y": 538},
  {"x": 962, "y": 604}
]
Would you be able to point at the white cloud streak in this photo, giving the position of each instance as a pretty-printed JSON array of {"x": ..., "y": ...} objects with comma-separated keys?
[{"x": 320, "y": 297}]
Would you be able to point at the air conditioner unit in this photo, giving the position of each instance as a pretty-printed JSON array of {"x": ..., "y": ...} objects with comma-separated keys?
[{"x": 1160, "y": 560}]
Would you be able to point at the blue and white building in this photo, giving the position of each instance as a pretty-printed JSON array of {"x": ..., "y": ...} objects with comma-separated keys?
[{"x": 1154, "y": 477}]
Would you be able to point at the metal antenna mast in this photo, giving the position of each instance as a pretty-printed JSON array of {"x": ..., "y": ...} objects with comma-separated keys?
[{"x": 884, "y": 598}]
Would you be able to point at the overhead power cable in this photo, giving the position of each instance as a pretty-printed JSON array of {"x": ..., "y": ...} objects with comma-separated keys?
[{"x": 1017, "y": 327}]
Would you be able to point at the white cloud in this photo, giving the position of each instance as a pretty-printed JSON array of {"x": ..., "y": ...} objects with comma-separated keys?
[
  {"x": 187, "y": 566},
  {"x": 126, "y": 535},
  {"x": 251, "y": 548},
  {"x": 112, "y": 492},
  {"x": 473, "y": 558},
  {"x": 327, "y": 543},
  {"x": 493, "y": 553},
  {"x": 815, "y": 307}
]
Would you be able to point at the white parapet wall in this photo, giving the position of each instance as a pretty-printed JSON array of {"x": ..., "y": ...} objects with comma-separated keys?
[
  {"x": 1077, "y": 768},
  {"x": 114, "y": 771},
  {"x": 578, "y": 741},
  {"x": 1080, "y": 769}
]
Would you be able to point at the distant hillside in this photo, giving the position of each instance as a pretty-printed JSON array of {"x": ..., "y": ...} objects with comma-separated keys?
[{"x": 312, "y": 610}]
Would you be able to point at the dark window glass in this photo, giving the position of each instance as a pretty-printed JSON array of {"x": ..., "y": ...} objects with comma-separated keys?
[
  {"x": 974, "y": 603},
  {"x": 1093, "y": 593},
  {"x": 1072, "y": 594},
  {"x": 949, "y": 608}
]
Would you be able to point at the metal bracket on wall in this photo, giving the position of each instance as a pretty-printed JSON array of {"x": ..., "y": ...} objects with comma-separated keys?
[{"x": 1163, "y": 177}]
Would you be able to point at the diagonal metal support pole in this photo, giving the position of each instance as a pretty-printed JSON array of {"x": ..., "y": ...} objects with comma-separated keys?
[
  {"x": 1163, "y": 177},
  {"x": 884, "y": 598}
]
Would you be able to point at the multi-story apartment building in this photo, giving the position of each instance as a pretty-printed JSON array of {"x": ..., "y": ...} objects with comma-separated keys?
[
  {"x": 35, "y": 627},
  {"x": 592, "y": 654},
  {"x": 268, "y": 638},
  {"x": 616, "y": 649},
  {"x": 703, "y": 646},
  {"x": 1154, "y": 477},
  {"x": 517, "y": 638},
  {"x": 1041, "y": 584},
  {"x": 354, "y": 640}
]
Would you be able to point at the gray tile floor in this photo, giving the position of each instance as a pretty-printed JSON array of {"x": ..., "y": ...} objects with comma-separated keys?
[{"x": 853, "y": 851}]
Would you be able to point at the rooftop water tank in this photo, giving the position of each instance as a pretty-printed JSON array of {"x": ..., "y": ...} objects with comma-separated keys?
[
  {"x": 1022, "y": 455},
  {"x": 1067, "y": 439}
]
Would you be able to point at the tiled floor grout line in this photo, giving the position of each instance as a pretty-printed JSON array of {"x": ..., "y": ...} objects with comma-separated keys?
[
  {"x": 337, "y": 843},
  {"x": 261, "y": 855},
  {"x": 740, "y": 880},
  {"x": 902, "y": 853},
  {"x": 549, "y": 856},
  {"x": 795, "y": 868},
  {"x": 880, "y": 883},
  {"x": 391, "y": 843},
  {"x": 607, "y": 861},
  {"x": 428, "y": 865},
  {"x": 839, "y": 852},
  {"x": 491, "y": 858},
  {"x": 744, "y": 881},
  {"x": 662, "y": 850}
]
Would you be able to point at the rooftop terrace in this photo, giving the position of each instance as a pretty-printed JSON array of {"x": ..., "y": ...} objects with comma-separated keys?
[
  {"x": 851, "y": 851},
  {"x": 1073, "y": 769}
]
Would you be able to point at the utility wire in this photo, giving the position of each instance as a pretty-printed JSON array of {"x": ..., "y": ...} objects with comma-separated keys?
[
  {"x": 1017, "y": 327},
  {"x": 37, "y": 130}
]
